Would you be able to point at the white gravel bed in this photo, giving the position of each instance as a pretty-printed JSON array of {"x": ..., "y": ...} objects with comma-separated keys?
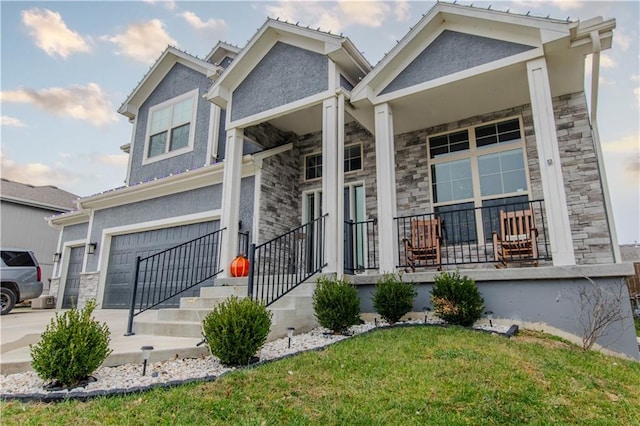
[{"x": 129, "y": 377}]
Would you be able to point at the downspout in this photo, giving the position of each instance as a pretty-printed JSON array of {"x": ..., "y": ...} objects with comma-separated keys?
[{"x": 608, "y": 211}]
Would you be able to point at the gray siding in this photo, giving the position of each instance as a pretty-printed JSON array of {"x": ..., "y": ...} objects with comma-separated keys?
[
  {"x": 180, "y": 204},
  {"x": 452, "y": 52},
  {"x": 74, "y": 232},
  {"x": 178, "y": 81},
  {"x": 25, "y": 227},
  {"x": 286, "y": 74}
]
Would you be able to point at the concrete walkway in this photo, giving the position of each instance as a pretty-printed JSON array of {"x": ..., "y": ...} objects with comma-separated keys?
[{"x": 23, "y": 327}]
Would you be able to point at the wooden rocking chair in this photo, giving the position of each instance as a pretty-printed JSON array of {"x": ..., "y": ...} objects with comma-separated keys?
[
  {"x": 517, "y": 239},
  {"x": 424, "y": 245}
]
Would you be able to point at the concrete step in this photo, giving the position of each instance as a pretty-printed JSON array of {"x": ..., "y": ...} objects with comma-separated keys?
[
  {"x": 169, "y": 328},
  {"x": 182, "y": 314},
  {"x": 224, "y": 291}
]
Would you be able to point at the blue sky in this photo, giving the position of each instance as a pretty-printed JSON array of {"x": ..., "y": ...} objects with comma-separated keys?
[{"x": 67, "y": 66}]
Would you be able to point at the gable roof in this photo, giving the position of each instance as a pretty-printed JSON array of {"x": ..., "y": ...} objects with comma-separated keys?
[
  {"x": 47, "y": 197},
  {"x": 220, "y": 50},
  {"x": 338, "y": 48},
  {"x": 157, "y": 72},
  {"x": 546, "y": 29}
]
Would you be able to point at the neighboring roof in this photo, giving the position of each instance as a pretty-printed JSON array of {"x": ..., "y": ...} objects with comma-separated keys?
[
  {"x": 47, "y": 197},
  {"x": 220, "y": 50},
  {"x": 157, "y": 72}
]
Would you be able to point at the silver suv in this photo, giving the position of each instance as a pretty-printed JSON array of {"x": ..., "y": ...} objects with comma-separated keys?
[{"x": 20, "y": 276}]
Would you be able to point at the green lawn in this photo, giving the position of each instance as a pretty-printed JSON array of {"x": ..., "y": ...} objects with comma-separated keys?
[{"x": 404, "y": 376}]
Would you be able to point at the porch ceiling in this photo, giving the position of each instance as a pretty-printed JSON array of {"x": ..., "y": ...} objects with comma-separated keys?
[{"x": 304, "y": 121}]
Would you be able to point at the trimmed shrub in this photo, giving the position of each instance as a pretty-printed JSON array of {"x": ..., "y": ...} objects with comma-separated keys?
[
  {"x": 393, "y": 297},
  {"x": 72, "y": 347},
  {"x": 456, "y": 299},
  {"x": 236, "y": 329},
  {"x": 336, "y": 305}
]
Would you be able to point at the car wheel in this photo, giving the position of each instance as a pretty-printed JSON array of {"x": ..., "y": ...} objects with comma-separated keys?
[{"x": 7, "y": 300}]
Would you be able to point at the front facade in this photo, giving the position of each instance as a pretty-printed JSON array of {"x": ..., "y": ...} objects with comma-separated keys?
[{"x": 473, "y": 113}]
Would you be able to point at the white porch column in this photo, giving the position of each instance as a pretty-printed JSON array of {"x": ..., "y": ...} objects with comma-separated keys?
[
  {"x": 330, "y": 188},
  {"x": 340, "y": 189},
  {"x": 555, "y": 201},
  {"x": 386, "y": 177},
  {"x": 231, "y": 198}
]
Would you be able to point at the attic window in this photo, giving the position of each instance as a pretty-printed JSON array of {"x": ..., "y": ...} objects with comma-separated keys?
[{"x": 169, "y": 129}]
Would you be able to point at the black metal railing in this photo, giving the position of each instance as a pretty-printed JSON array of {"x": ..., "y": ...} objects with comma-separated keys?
[
  {"x": 168, "y": 273},
  {"x": 243, "y": 243},
  {"x": 360, "y": 243},
  {"x": 467, "y": 236},
  {"x": 278, "y": 266}
]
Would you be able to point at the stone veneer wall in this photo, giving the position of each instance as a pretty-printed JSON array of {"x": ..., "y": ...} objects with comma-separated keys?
[
  {"x": 279, "y": 194},
  {"x": 585, "y": 198},
  {"x": 88, "y": 288},
  {"x": 582, "y": 184},
  {"x": 54, "y": 285}
]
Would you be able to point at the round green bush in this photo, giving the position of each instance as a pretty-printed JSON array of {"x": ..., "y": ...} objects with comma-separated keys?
[
  {"x": 72, "y": 347},
  {"x": 456, "y": 299},
  {"x": 393, "y": 298},
  {"x": 336, "y": 305},
  {"x": 236, "y": 329}
]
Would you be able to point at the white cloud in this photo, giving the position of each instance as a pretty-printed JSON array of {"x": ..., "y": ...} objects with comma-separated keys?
[
  {"x": 12, "y": 121},
  {"x": 621, "y": 40},
  {"x": 111, "y": 159},
  {"x": 334, "y": 17},
  {"x": 567, "y": 4},
  {"x": 635, "y": 77},
  {"x": 88, "y": 103},
  {"x": 168, "y": 4},
  {"x": 35, "y": 173},
  {"x": 402, "y": 10},
  {"x": 629, "y": 144},
  {"x": 142, "y": 41},
  {"x": 636, "y": 92},
  {"x": 211, "y": 25},
  {"x": 606, "y": 62},
  {"x": 51, "y": 33}
]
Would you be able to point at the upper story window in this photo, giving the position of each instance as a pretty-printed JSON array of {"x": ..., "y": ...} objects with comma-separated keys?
[
  {"x": 170, "y": 127},
  {"x": 352, "y": 162}
]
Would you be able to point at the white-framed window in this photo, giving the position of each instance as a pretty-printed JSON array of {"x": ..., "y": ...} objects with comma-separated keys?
[
  {"x": 352, "y": 162},
  {"x": 171, "y": 127},
  {"x": 480, "y": 166}
]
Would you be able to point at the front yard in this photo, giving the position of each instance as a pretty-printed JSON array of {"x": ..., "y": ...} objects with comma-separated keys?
[{"x": 403, "y": 375}]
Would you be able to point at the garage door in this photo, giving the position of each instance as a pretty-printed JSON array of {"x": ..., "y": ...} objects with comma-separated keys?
[
  {"x": 72, "y": 283},
  {"x": 125, "y": 249}
]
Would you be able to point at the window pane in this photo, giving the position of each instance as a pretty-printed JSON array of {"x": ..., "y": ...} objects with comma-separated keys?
[
  {"x": 452, "y": 181},
  {"x": 506, "y": 131},
  {"x": 446, "y": 144},
  {"x": 179, "y": 137},
  {"x": 502, "y": 173},
  {"x": 160, "y": 120},
  {"x": 157, "y": 144},
  {"x": 17, "y": 258},
  {"x": 182, "y": 112},
  {"x": 352, "y": 158},
  {"x": 313, "y": 166}
]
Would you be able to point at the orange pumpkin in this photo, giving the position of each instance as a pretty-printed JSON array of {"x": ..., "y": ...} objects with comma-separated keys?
[{"x": 240, "y": 267}]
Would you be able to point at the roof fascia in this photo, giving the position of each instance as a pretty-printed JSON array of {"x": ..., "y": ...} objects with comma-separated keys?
[
  {"x": 156, "y": 74},
  {"x": 32, "y": 203},
  {"x": 71, "y": 218},
  {"x": 192, "y": 179}
]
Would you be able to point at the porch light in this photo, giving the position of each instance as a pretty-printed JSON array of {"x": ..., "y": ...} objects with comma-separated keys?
[
  {"x": 146, "y": 353},
  {"x": 290, "y": 331},
  {"x": 56, "y": 257},
  {"x": 489, "y": 315},
  {"x": 91, "y": 248}
]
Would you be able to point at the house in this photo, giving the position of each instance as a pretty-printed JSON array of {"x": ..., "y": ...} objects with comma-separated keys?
[
  {"x": 298, "y": 145},
  {"x": 23, "y": 207}
]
